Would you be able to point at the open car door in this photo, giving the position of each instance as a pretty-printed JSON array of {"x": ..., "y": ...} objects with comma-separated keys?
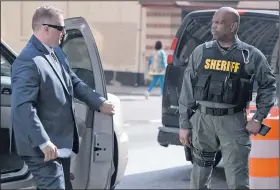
[{"x": 93, "y": 167}]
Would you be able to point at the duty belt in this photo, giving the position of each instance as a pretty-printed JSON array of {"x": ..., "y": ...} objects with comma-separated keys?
[{"x": 219, "y": 111}]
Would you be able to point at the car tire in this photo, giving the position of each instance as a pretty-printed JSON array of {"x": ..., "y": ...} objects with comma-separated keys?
[{"x": 189, "y": 157}]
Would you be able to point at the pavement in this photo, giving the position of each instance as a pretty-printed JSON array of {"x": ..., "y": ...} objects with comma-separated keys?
[
  {"x": 131, "y": 90},
  {"x": 151, "y": 166}
]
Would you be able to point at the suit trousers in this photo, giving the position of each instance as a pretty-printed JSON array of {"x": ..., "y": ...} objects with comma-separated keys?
[{"x": 53, "y": 174}]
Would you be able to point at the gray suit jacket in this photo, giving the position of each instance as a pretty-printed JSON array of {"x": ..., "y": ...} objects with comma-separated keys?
[{"x": 42, "y": 106}]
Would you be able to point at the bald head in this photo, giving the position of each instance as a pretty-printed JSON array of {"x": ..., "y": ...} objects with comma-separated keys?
[
  {"x": 225, "y": 23},
  {"x": 230, "y": 14}
]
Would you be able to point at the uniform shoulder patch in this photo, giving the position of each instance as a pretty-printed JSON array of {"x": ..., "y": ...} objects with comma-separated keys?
[
  {"x": 209, "y": 44},
  {"x": 243, "y": 46}
]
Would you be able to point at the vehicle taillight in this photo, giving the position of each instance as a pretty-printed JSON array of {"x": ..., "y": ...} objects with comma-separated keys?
[
  {"x": 241, "y": 12},
  {"x": 169, "y": 59},
  {"x": 171, "y": 51}
]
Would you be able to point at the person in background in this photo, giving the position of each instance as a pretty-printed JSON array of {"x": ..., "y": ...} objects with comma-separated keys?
[{"x": 156, "y": 68}]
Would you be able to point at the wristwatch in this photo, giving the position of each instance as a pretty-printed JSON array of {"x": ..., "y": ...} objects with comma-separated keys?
[{"x": 257, "y": 121}]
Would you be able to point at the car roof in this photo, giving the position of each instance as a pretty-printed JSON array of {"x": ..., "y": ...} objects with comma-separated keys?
[
  {"x": 8, "y": 47},
  {"x": 3, "y": 42},
  {"x": 268, "y": 12}
]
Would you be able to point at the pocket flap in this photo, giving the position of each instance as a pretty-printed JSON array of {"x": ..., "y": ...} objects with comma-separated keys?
[
  {"x": 246, "y": 141},
  {"x": 202, "y": 79},
  {"x": 216, "y": 87}
]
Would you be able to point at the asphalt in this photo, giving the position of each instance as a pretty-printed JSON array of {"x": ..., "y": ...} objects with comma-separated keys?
[
  {"x": 151, "y": 166},
  {"x": 130, "y": 90}
]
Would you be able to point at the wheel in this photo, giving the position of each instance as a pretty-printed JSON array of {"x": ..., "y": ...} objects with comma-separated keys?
[{"x": 189, "y": 156}]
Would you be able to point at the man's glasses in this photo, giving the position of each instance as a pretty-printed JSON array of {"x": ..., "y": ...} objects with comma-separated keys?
[{"x": 59, "y": 28}]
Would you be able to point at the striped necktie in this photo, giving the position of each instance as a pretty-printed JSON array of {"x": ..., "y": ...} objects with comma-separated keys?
[{"x": 59, "y": 65}]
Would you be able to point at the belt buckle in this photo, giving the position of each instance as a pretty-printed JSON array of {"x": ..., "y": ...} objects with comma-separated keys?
[{"x": 217, "y": 111}]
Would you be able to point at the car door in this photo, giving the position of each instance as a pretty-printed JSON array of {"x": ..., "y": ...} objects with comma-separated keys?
[
  {"x": 14, "y": 173},
  {"x": 93, "y": 167}
]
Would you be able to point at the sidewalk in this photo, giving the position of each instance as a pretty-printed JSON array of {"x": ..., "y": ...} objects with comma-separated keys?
[{"x": 130, "y": 90}]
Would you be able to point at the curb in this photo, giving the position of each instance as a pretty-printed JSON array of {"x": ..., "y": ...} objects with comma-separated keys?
[{"x": 132, "y": 93}]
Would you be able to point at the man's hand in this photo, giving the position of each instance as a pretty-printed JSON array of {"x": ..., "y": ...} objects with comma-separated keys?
[
  {"x": 253, "y": 127},
  {"x": 50, "y": 152},
  {"x": 185, "y": 136},
  {"x": 107, "y": 108}
]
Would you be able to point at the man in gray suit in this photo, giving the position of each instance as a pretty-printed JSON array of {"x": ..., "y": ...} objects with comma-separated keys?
[{"x": 42, "y": 107}]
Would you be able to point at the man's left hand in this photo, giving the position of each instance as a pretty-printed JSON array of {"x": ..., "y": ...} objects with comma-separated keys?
[
  {"x": 253, "y": 127},
  {"x": 107, "y": 107}
]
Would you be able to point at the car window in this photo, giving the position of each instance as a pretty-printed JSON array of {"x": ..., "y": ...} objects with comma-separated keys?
[
  {"x": 75, "y": 48},
  {"x": 5, "y": 67}
]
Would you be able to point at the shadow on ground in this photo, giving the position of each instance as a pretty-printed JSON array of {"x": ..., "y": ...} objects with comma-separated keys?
[{"x": 171, "y": 178}]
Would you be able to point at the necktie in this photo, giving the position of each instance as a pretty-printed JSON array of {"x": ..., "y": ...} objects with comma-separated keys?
[
  {"x": 60, "y": 66},
  {"x": 54, "y": 57}
]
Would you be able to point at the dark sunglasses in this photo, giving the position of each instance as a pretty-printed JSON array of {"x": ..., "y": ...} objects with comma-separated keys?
[{"x": 59, "y": 28}]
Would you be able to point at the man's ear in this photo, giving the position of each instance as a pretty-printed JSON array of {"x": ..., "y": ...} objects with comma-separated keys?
[
  {"x": 233, "y": 27},
  {"x": 46, "y": 28}
]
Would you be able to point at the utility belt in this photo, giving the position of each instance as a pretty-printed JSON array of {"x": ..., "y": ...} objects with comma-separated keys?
[{"x": 219, "y": 111}]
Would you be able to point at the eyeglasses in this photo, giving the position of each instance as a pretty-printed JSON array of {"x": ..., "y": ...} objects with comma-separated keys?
[{"x": 59, "y": 28}]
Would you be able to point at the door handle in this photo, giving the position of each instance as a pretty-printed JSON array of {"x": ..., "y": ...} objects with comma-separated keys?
[{"x": 6, "y": 91}]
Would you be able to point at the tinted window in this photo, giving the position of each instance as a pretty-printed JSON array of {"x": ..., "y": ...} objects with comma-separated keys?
[
  {"x": 261, "y": 32},
  {"x": 5, "y": 67},
  {"x": 75, "y": 48}
]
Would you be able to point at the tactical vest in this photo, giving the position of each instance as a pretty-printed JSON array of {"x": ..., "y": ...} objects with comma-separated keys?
[{"x": 222, "y": 78}]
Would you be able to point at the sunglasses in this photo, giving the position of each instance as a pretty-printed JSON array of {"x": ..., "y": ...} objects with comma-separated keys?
[{"x": 59, "y": 28}]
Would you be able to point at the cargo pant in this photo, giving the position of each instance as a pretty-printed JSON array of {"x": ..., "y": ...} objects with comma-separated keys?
[{"x": 229, "y": 133}]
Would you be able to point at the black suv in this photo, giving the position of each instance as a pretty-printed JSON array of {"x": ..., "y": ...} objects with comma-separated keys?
[{"x": 258, "y": 28}]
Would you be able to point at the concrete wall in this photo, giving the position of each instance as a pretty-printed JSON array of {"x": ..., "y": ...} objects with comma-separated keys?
[
  {"x": 115, "y": 26},
  {"x": 125, "y": 31},
  {"x": 156, "y": 23}
]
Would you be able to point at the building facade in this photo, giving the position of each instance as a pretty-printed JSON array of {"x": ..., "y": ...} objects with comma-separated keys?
[{"x": 125, "y": 31}]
